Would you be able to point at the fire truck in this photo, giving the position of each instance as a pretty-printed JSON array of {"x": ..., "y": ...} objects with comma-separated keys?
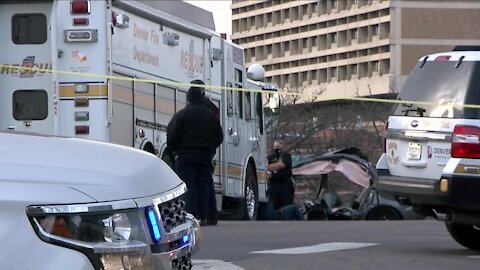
[{"x": 117, "y": 71}]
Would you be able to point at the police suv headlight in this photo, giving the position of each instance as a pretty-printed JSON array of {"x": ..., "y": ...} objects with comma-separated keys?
[{"x": 111, "y": 239}]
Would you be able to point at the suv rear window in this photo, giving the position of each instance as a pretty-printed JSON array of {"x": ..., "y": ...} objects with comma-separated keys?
[
  {"x": 29, "y": 28},
  {"x": 440, "y": 82}
]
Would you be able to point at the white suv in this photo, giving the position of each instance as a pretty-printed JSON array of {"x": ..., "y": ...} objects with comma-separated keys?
[
  {"x": 75, "y": 204},
  {"x": 419, "y": 166}
]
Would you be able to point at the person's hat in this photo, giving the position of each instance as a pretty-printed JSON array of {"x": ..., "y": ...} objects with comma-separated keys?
[
  {"x": 198, "y": 82},
  {"x": 195, "y": 92}
]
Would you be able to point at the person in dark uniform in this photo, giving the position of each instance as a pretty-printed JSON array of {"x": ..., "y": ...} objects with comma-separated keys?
[
  {"x": 193, "y": 135},
  {"x": 280, "y": 188},
  {"x": 212, "y": 215}
]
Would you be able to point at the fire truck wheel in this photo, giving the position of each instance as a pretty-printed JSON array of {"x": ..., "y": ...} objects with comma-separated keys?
[{"x": 250, "y": 202}]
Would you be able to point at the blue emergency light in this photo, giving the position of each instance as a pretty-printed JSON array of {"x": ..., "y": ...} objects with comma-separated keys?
[
  {"x": 153, "y": 225},
  {"x": 185, "y": 239}
]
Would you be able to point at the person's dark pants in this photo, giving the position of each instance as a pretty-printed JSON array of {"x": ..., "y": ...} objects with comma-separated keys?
[
  {"x": 212, "y": 202},
  {"x": 290, "y": 212},
  {"x": 212, "y": 214},
  {"x": 280, "y": 194},
  {"x": 194, "y": 168}
]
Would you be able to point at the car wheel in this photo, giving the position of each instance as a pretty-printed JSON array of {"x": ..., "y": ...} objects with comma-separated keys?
[
  {"x": 466, "y": 235},
  {"x": 383, "y": 213}
]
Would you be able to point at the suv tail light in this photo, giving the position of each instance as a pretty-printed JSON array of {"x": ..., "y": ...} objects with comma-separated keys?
[{"x": 466, "y": 142}]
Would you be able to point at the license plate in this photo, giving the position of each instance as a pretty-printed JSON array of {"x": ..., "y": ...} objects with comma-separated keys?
[{"x": 414, "y": 150}]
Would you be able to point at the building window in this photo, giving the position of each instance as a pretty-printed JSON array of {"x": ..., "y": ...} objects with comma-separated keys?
[
  {"x": 375, "y": 30},
  {"x": 334, "y": 4},
  {"x": 354, "y": 33},
  {"x": 334, "y": 72},
  {"x": 334, "y": 37}
]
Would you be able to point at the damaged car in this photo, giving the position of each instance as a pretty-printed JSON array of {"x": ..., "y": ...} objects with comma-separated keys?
[{"x": 339, "y": 185}]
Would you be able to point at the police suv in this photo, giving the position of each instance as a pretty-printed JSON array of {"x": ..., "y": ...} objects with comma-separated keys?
[
  {"x": 432, "y": 143},
  {"x": 69, "y": 203}
]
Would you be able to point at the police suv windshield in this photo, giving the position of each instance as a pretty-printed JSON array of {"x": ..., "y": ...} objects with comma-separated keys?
[{"x": 437, "y": 83}]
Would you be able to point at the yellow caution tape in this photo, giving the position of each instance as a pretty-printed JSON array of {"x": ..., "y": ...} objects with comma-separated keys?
[{"x": 215, "y": 87}]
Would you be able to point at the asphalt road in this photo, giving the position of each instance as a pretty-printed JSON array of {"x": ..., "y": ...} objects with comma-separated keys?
[{"x": 392, "y": 245}]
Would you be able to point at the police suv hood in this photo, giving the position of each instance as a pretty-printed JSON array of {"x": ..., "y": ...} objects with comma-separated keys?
[{"x": 44, "y": 169}]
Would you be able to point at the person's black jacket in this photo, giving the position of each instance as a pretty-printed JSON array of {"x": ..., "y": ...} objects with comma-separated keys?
[
  {"x": 207, "y": 102},
  {"x": 194, "y": 128},
  {"x": 284, "y": 174}
]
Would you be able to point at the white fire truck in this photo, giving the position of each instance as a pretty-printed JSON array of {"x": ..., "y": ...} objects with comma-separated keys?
[{"x": 116, "y": 71}]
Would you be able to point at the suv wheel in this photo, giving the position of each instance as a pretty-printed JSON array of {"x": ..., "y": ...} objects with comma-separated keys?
[{"x": 466, "y": 235}]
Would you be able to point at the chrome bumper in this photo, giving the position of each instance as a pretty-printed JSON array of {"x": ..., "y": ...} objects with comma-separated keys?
[{"x": 170, "y": 249}]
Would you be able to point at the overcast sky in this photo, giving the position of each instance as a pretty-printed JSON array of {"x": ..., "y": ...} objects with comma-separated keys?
[{"x": 222, "y": 14}]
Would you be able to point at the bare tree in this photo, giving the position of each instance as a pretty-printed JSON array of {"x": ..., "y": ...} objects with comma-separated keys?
[{"x": 312, "y": 126}]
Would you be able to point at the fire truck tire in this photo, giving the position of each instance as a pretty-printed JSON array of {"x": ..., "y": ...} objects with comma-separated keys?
[
  {"x": 466, "y": 235},
  {"x": 249, "y": 205},
  {"x": 148, "y": 147}
]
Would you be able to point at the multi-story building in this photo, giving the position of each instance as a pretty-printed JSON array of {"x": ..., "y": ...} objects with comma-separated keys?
[{"x": 346, "y": 48}]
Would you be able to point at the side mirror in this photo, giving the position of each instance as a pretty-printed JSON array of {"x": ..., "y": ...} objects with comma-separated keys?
[{"x": 274, "y": 103}]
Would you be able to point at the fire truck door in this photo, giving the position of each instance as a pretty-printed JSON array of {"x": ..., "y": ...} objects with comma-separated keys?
[
  {"x": 144, "y": 111},
  {"x": 232, "y": 136},
  {"x": 218, "y": 154}
]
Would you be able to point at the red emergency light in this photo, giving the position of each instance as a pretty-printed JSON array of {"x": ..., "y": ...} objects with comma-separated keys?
[
  {"x": 79, "y": 7},
  {"x": 82, "y": 130},
  {"x": 80, "y": 21}
]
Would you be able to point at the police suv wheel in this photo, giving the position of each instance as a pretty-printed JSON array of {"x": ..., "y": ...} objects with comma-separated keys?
[{"x": 466, "y": 235}]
